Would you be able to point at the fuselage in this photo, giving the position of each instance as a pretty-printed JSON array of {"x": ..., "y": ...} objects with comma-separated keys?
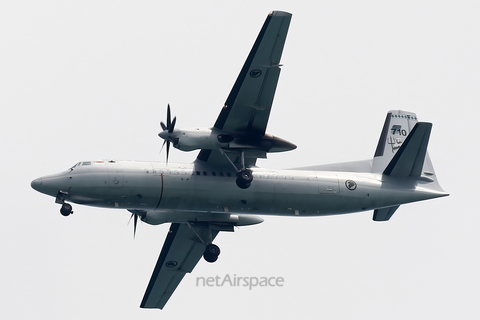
[{"x": 179, "y": 192}]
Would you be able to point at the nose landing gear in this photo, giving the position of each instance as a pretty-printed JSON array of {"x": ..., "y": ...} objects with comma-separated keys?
[{"x": 66, "y": 209}]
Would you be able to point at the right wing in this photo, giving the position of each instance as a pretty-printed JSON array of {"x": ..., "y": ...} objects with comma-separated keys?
[
  {"x": 180, "y": 254},
  {"x": 247, "y": 108},
  {"x": 248, "y": 105}
]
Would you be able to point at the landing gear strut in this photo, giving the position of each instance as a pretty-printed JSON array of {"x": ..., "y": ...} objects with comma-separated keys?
[
  {"x": 212, "y": 251},
  {"x": 244, "y": 175},
  {"x": 66, "y": 209}
]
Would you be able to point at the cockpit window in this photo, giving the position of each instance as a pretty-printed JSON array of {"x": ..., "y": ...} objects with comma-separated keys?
[
  {"x": 76, "y": 165},
  {"x": 86, "y": 163}
]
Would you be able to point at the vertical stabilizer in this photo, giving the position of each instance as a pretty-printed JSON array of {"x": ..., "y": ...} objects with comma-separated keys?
[{"x": 396, "y": 129}]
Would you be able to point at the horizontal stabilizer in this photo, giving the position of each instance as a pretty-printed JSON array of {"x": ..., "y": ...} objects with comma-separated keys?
[
  {"x": 409, "y": 159},
  {"x": 384, "y": 214}
]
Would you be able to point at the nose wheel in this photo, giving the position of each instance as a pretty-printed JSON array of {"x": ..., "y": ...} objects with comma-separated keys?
[{"x": 66, "y": 209}]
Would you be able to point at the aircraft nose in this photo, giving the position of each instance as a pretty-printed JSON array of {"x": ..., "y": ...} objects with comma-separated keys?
[{"x": 36, "y": 184}]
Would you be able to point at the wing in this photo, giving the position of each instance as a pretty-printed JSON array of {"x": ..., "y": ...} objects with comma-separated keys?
[
  {"x": 247, "y": 108},
  {"x": 180, "y": 254}
]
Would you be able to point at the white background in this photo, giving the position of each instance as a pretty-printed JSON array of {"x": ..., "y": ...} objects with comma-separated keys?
[{"x": 87, "y": 80}]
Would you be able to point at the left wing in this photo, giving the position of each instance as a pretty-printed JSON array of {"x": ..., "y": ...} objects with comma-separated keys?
[{"x": 180, "y": 254}]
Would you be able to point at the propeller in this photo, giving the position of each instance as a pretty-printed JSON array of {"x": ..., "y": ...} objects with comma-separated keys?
[
  {"x": 135, "y": 215},
  {"x": 135, "y": 218},
  {"x": 167, "y": 133}
]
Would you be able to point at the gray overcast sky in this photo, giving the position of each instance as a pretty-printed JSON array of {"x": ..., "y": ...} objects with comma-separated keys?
[{"x": 84, "y": 80}]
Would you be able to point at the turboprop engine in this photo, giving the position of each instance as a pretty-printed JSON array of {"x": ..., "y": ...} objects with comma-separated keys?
[{"x": 214, "y": 139}]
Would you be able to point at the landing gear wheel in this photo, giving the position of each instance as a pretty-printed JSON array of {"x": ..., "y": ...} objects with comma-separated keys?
[
  {"x": 244, "y": 178},
  {"x": 242, "y": 184},
  {"x": 211, "y": 253},
  {"x": 66, "y": 209}
]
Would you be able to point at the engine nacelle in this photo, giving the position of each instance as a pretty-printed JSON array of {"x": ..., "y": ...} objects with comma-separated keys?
[{"x": 203, "y": 138}]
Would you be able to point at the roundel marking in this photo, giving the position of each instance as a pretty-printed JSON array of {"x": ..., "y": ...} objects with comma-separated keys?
[
  {"x": 351, "y": 185},
  {"x": 171, "y": 264},
  {"x": 255, "y": 73}
]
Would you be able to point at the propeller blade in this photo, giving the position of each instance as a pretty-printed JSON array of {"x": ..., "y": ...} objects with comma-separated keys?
[
  {"x": 168, "y": 149},
  {"x": 163, "y": 145},
  {"x": 130, "y": 218},
  {"x": 135, "y": 218},
  {"x": 135, "y": 225},
  {"x": 164, "y": 127},
  {"x": 172, "y": 126},
  {"x": 168, "y": 116}
]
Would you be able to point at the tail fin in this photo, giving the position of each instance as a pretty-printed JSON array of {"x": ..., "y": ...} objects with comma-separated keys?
[
  {"x": 396, "y": 129},
  {"x": 402, "y": 131}
]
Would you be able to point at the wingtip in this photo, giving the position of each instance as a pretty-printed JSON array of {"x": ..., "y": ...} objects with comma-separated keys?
[{"x": 279, "y": 13}]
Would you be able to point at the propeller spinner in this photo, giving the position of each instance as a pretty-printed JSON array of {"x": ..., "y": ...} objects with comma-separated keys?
[{"x": 167, "y": 133}]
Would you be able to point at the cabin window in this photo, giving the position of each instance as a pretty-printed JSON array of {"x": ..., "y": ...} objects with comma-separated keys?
[
  {"x": 198, "y": 173},
  {"x": 204, "y": 173},
  {"x": 214, "y": 173},
  {"x": 221, "y": 174},
  {"x": 229, "y": 174}
]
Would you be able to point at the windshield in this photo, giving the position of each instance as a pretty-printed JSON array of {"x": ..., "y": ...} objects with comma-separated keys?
[{"x": 76, "y": 165}]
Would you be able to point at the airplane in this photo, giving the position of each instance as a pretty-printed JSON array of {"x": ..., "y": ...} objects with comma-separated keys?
[{"x": 224, "y": 188}]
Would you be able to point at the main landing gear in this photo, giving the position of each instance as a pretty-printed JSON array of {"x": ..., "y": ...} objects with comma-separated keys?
[
  {"x": 211, "y": 253},
  {"x": 244, "y": 178},
  {"x": 206, "y": 236},
  {"x": 244, "y": 175}
]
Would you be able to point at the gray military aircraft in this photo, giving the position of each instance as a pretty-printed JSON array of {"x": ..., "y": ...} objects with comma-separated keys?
[{"x": 223, "y": 187}]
